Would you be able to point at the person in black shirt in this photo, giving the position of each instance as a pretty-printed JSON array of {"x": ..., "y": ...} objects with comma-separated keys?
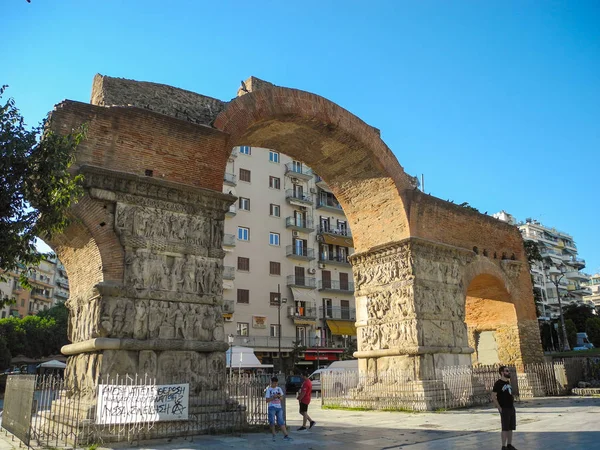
[{"x": 504, "y": 401}]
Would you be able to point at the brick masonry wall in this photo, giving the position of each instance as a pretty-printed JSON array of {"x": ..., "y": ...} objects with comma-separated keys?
[
  {"x": 134, "y": 140},
  {"x": 168, "y": 100}
]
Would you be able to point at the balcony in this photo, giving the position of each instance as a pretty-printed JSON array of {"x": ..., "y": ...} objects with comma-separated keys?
[
  {"x": 299, "y": 253},
  {"x": 230, "y": 179},
  {"x": 61, "y": 294},
  {"x": 575, "y": 275},
  {"x": 302, "y": 312},
  {"x": 228, "y": 240},
  {"x": 320, "y": 183},
  {"x": 299, "y": 224},
  {"x": 287, "y": 343},
  {"x": 300, "y": 198},
  {"x": 577, "y": 262},
  {"x": 329, "y": 204},
  {"x": 335, "y": 231},
  {"x": 336, "y": 286},
  {"x": 338, "y": 260},
  {"x": 228, "y": 273},
  {"x": 228, "y": 306},
  {"x": 232, "y": 211},
  {"x": 338, "y": 313},
  {"x": 301, "y": 282},
  {"x": 63, "y": 283},
  {"x": 298, "y": 171}
]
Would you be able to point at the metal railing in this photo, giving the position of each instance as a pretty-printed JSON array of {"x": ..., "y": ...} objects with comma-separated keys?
[
  {"x": 337, "y": 312},
  {"x": 302, "y": 197},
  {"x": 328, "y": 203},
  {"x": 302, "y": 312},
  {"x": 340, "y": 259},
  {"x": 292, "y": 221},
  {"x": 300, "y": 252},
  {"x": 228, "y": 273},
  {"x": 295, "y": 169},
  {"x": 264, "y": 341},
  {"x": 450, "y": 388},
  {"x": 335, "y": 231},
  {"x": 334, "y": 285},
  {"x": 298, "y": 281}
]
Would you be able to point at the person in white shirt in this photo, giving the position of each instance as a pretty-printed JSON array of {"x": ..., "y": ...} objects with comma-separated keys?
[{"x": 273, "y": 395}]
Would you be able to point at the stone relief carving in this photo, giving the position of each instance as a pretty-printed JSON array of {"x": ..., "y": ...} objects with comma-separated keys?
[
  {"x": 84, "y": 319},
  {"x": 159, "y": 272},
  {"x": 83, "y": 370}
]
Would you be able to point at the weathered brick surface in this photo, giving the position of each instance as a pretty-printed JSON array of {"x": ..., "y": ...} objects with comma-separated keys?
[{"x": 134, "y": 140}]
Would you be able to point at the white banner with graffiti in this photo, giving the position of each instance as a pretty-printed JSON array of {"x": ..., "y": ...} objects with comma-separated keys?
[{"x": 119, "y": 404}]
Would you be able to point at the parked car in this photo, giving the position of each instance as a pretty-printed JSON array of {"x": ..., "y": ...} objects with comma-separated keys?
[
  {"x": 293, "y": 383},
  {"x": 350, "y": 366},
  {"x": 583, "y": 342}
]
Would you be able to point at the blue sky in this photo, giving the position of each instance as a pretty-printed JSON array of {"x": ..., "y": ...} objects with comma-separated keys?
[{"x": 497, "y": 103}]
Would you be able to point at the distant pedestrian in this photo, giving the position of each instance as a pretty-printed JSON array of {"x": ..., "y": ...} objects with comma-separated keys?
[
  {"x": 304, "y": 396},
  {"x": 273, "y": 395},
  {"x": 503, "y": 400}
]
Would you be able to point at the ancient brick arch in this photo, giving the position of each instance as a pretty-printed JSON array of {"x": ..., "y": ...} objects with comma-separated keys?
[
  {"x": 154, "y": 162},
  {"x": 346, "y": 152}
]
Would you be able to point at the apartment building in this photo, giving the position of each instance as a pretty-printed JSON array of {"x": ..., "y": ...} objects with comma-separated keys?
[
  {"x": 594, "y": 286},
  {"x": 287, "y": 279},
  {"x": 49, "y": 286},
  {"x": 560, "y": 265}
]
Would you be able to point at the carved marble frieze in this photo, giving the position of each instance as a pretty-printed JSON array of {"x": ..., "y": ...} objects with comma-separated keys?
[
  {"x": 389, "y": 335},
  {"x": 150, "y": 319},
  {"x": 156, "y": 272},
  {"x": 148, "y": 227}
]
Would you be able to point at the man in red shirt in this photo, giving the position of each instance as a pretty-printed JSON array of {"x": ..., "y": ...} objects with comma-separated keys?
[{"x": 304, "y": 398}]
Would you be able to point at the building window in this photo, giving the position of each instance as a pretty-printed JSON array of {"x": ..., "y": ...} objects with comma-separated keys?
[
  {"x": 274, "y": 268},
  {"x": 243, "y": 234},
  {"x": 243, "y": 328},
  {"x": 22, "y": 302},
  {"x": 274, "y": 298},
  {"x": 274, "y": 183},
  {"x": 274, "y": 157},
  {"x": 243, "y": 296},
  {"x": 244, "y": 203},
  {"x": 274, "y": 331},
  {"x": 275, "y": 210},
  {"x": 245, "y": 175},
  {"x": 243, "y": 264},
  {"x": 296, "y": 166},
  {"x": 3, "y": 314},
  {"x": 245, "y": 150},
  {"x": 274, "y": 239}
]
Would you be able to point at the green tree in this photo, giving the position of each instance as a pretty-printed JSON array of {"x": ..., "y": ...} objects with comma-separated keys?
[
  {"x": 571, "y": 332},
  {"x": 532, "y": 251},
  {"x": 5, "y": 356},
  {"x": 579, "y": 314},
  {"x": 592, "y": 328},
  {"x": 37, "y": 187}
]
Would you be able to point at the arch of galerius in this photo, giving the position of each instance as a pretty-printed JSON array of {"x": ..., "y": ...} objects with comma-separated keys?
[{"x": 144, "y": 255}]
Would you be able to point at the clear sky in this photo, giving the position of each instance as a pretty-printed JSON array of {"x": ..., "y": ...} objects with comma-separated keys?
[{"x": 497, "y": 103}]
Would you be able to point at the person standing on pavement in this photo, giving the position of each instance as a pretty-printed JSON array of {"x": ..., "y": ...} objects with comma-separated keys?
[
  {"x": 304, "y": 396},
  {"x": 503, "y": 400},
  {"x": 273, "y": 395}
]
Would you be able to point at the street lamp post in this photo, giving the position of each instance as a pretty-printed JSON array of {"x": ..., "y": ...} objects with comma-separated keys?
[
  {"x": 279, "y": 303},
  {"x": 555, "y": 279},
  {"x": 318, "y": 345},
  {"x": 230, "y": 340}
]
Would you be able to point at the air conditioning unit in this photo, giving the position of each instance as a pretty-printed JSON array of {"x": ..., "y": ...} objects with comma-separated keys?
[
  {"x": 295, "y": 234},
  {"x": 321, "y": 266},
  {"x": 313, "y": 190},
  {"x": 312, "y": 270}
]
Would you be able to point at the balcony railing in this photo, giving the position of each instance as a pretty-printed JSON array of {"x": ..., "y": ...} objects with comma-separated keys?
[
  {"x": 61, "y": 294},
  {"x": 333, "y": 259},
  {"x": 328, "y": 204},
  {"x": 302, "y": 312},
  {"x": 301, "y": 282},
  {"x": 301, "y": 197},
  {"x": 300, "y": 224},
  {"x": 301, "y": 253},
  {"x": 228, "y": 306},
  {"x": 337, "y": 313},
  {"x": 298, "y": 171},
  {"x": 335, "y": 231},
  {"x": 230, "y": 178},
  {"x": 334, "y": 285},
  {"x": 228, "y": 273},
  {"x": 229, "y": 240},
  {"x": 264, "y": 341}
]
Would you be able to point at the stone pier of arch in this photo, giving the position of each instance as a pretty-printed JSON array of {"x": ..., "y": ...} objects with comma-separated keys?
[{"x": 144, "y": 256}]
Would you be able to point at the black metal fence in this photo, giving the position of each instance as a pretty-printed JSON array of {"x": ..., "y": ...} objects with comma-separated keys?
[
  {"x": 52, "y": 413},
  {"x": 451, "y": 388}
]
